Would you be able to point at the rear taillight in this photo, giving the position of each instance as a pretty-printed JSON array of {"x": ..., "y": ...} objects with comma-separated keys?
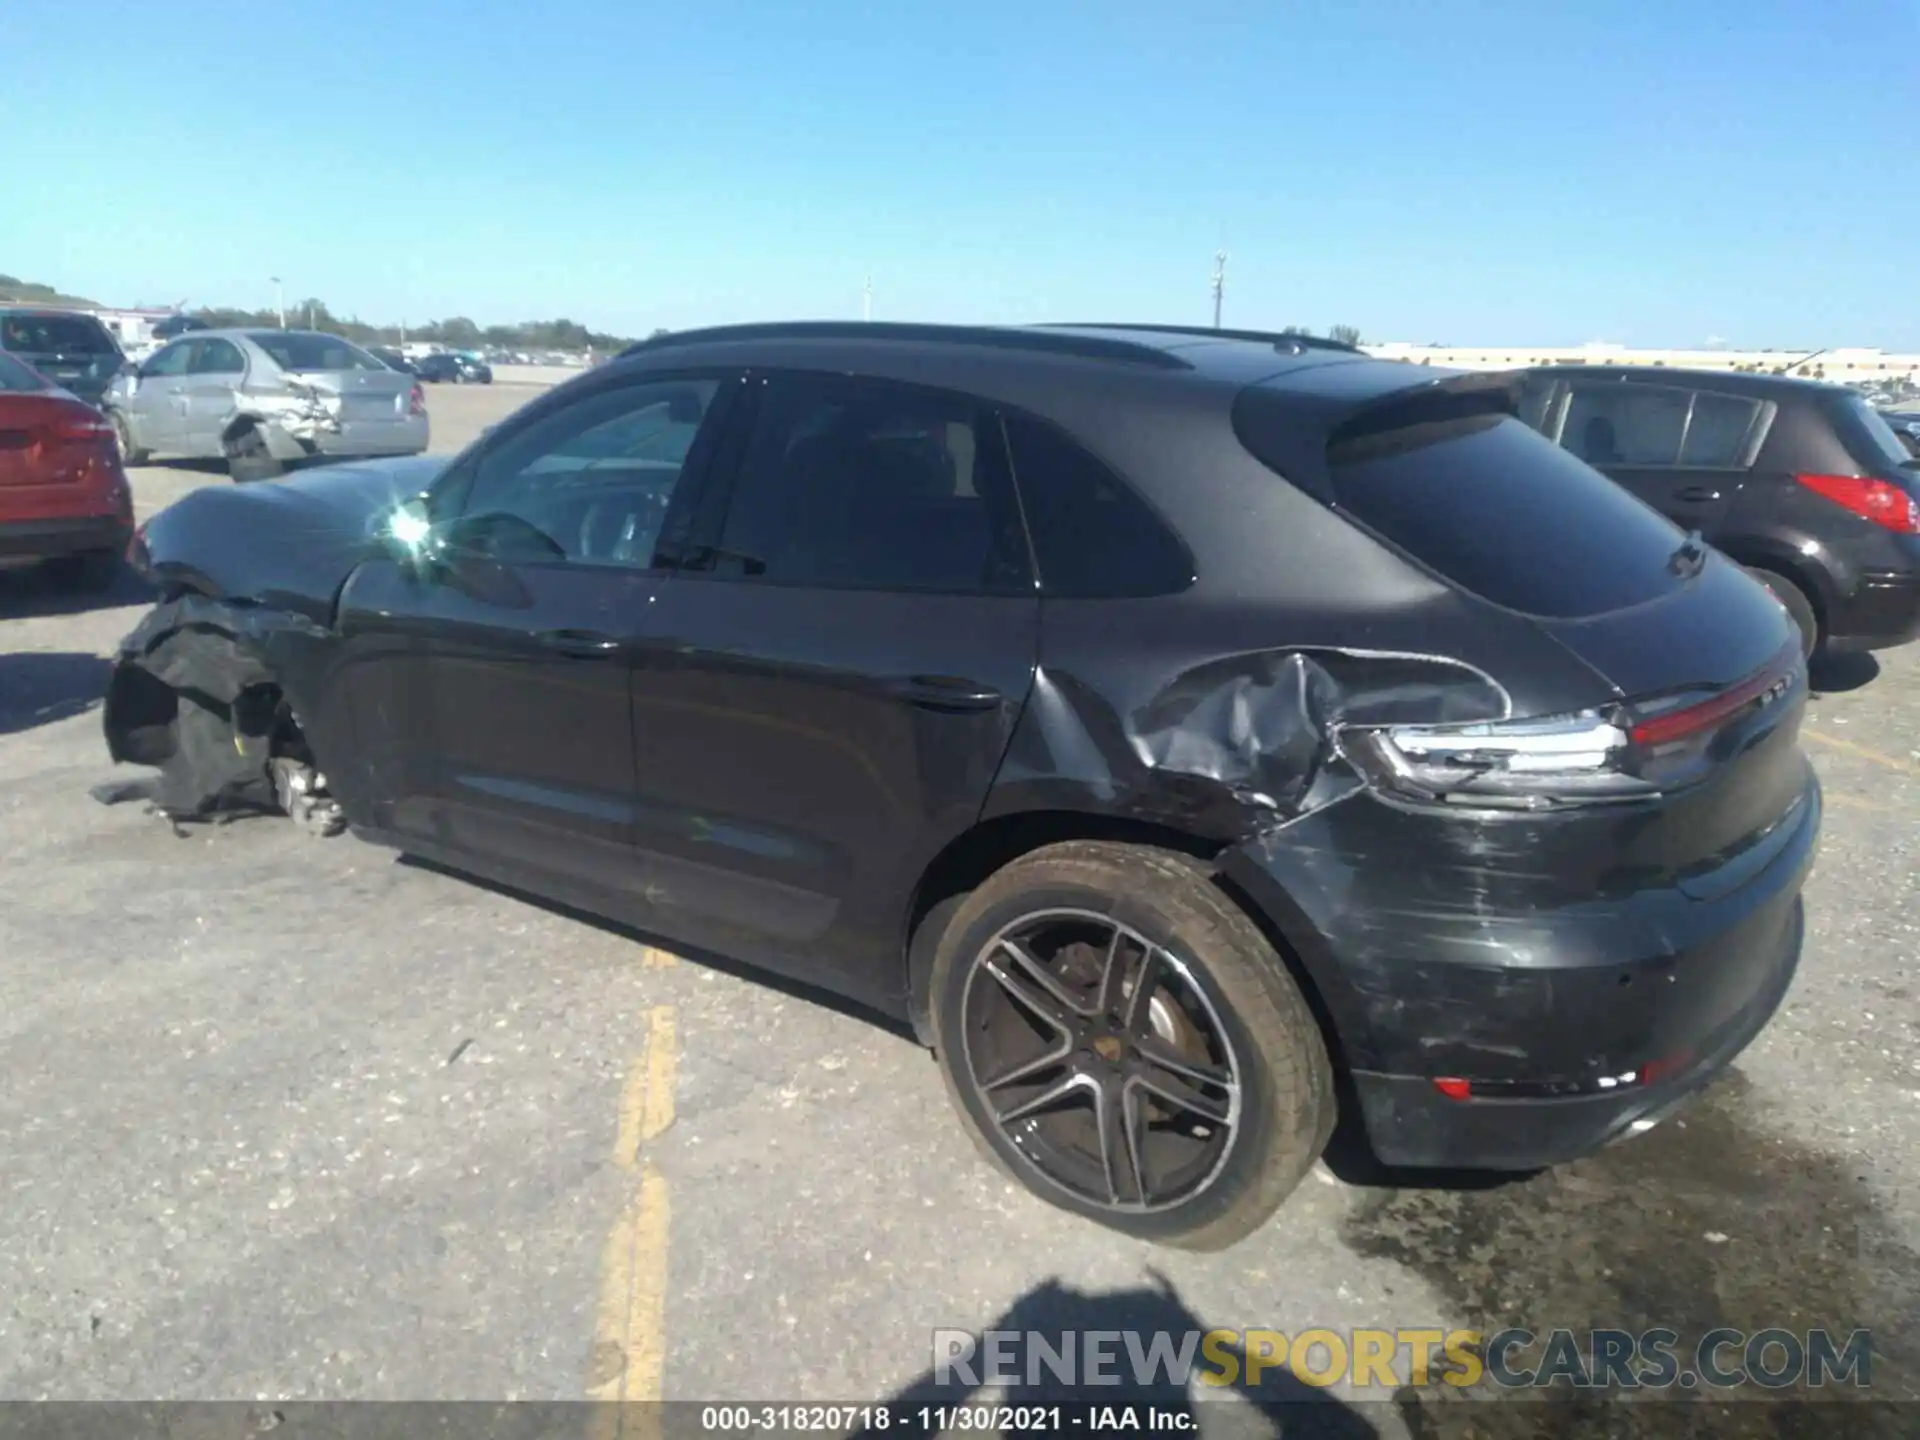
[
  {"x": 417, "y": 401},
  {"x": 1507, "y": 764},
  {"x": 1627, "y": 752},
  {"x": 1675, "y": 718},
  {"x": 1881, "y": 501}
]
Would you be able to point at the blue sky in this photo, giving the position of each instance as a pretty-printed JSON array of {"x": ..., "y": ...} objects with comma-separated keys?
[{"x": 1461, "y": 171}]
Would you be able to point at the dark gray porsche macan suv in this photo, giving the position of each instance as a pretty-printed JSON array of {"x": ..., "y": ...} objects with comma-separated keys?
[{"x": 1193, "y": 735}]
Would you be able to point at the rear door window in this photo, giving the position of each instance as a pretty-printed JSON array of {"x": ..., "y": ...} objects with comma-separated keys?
[
  {"x": 1614, "y": 424},
  {"x": 1092, "y": 536},
  {"x": 1504, "y": 513},
  {"x": 849, "y": 483}
]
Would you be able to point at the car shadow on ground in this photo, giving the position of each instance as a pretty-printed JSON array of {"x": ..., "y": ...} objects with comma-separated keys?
[
  {"x": 739, "y": 970},
  {"x": 1000, "y": 1365},
  {"x": 38, "y": 687},
  {"x": 28, "y": 593},
  {"x": 1837, "y": 674}
]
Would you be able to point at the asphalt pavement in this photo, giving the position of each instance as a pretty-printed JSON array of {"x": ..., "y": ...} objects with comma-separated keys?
[{"x": 286, "y": 1118}]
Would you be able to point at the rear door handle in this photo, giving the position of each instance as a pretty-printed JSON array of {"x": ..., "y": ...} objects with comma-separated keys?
[
  {"x": 944, "y": 692},
  {"x": 1698, "y": 493},
  {"x": 583, "y": 644}
]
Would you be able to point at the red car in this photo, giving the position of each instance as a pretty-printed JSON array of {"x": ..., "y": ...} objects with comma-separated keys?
[{"x": 63, "y": 495}]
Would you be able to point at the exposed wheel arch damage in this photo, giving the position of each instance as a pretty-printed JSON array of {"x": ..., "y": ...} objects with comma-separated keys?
[{"x": 196, "y": 695}]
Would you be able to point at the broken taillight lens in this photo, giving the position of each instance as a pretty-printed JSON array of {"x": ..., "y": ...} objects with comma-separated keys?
[
  {"x": 1881, "y": 501},
  {"x": 1505, "y": 764},
  {"x": 1683, "y": 717}
]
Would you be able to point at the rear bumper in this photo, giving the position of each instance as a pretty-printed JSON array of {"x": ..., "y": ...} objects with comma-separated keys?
[
  {"x": 1410, "y": 1123},
  {"x": 358, "y": 439},
  {"x": 1882, "y": 611},
  {"x": 1573, "y": 999},
  {"x": 25, "y": 542}
]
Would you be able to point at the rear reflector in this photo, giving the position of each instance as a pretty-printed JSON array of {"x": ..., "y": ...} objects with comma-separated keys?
[
  {"x": 1715, "y": 711},
  {"x": 1880, "y": 501}
]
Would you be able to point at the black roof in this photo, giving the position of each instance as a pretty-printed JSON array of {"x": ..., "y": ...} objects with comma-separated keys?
[{"x": 1238, "y": 357}]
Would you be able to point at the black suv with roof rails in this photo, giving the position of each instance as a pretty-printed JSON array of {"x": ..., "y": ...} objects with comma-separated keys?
[
  {"x": 1196, "y": 737},
  {"x": 1804, "y": 483}
]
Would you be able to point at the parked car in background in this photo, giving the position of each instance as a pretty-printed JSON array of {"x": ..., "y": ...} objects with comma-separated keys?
[
  {"x": 446, "y": 368},
  {"x": 71, "y": 348},
  {"x": 1804, "y": 483},
  {"x": 393, "y": 359},
  {"x": 1163, "y": 723},
  {"x": 261, "y": 398},
  {"x": 174, "y": 326},
  {"x": 63, "y": 495}
]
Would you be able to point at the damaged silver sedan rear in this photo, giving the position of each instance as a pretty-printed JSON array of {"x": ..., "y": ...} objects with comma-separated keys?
[{"x": 261, "y": 399}]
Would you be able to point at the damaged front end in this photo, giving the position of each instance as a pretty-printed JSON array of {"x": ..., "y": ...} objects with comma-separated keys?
[{"x": 195, "y": 695}]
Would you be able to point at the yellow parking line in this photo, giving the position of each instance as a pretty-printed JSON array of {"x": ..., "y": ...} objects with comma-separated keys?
[
  {"x": 630, "y": 1349},
  {"x": 654, "y": 958},
  {"x": 1892, "y": 762}
]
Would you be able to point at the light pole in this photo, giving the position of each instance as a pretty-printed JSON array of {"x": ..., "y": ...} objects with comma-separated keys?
[
  {"x": 1219, "y": 284},
  {"x": 866, "y": 299},
  {"x": 279, "y": 301}
]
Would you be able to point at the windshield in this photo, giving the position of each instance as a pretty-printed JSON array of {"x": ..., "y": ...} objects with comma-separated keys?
[
  {"x": 55, "y": 335},
  {"x": 300, "y": 351},
  {"x": 18, "y": 379}
]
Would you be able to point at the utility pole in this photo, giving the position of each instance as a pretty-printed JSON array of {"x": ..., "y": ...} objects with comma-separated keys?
[
  {"x": 279, "y": 301},
  {"x": 310, "y": 315},
  {"x": 1219, "y": 284},
  {"x": 866, "y": 299}
]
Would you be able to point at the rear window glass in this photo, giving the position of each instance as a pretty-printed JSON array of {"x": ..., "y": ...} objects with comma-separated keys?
[
  {"x": 17, "y": 379},
  {"x": 55, "y": 335},
  {"x": 1872, "y": 438},
  {"x": 1507, "y": 515},
  {"x": 294, "y": 351}
]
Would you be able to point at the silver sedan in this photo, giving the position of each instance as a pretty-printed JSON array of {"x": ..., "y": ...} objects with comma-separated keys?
[{"x": 261, "y": 398}]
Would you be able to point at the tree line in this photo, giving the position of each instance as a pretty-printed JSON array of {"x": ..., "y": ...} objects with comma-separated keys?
[{"x": 457, "y": 333}]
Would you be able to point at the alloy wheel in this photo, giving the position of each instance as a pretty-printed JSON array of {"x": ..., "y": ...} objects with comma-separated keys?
[{"x": 1102, "y": 1061}]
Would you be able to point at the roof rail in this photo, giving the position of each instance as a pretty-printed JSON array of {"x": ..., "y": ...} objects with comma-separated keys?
[
  {"x": 1092, "y": 347},
  {"x": 1285, "y": 340}
]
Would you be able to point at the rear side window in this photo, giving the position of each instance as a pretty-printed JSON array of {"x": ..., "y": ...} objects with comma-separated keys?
[
  {"x": 55, "y": 335},
  {"x": 1092, "y": 536},
  {"x": 1660, "y": 426},
  {"x": 857, "y": 484},
  {"x": 1505, "y": 514}
]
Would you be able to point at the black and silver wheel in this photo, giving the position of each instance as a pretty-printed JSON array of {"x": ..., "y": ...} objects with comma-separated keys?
[{"x": 1122, "y": 1040}]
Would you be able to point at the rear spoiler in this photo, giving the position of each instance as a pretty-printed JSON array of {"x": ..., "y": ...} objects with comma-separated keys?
[{"x": 1299, "y": 429}]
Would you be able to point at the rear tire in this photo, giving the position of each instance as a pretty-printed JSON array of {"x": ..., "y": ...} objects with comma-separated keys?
[
  {"x": 248, "y": 458},
  {"x": 1215, "y": 1084},
  {"x": 1795, "y": 602},
  {"x": 123, "y": 437}
]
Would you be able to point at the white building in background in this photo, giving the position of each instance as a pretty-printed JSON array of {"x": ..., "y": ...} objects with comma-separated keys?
[{"x": 1843, "y": 365}]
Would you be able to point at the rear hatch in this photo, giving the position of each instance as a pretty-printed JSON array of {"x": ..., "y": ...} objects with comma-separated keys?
[
  {"x": 1698, "y": 686},
  {"x": 73, "y": 351}
]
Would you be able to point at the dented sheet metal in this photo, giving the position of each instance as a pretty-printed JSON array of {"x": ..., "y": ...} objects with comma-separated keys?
[
  {"x": 194, "y": 694},
  {"x": 1243, "y": 742}
]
